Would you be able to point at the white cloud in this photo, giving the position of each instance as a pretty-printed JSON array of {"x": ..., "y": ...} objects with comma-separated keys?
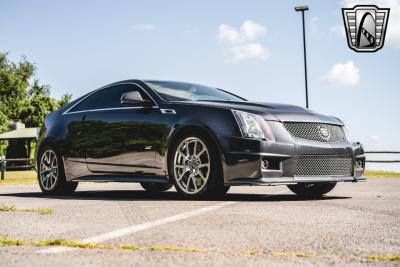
[
  {"x": 338, "y": 29},
  {"x": 374, "y": 137},
  {"x": 346, "y": 74},
  {"x": 249, "y": 31},
  {"x": 252, "y": 30},
  {"x": 247, "y": 51},
  {"x": 229, "y": 34},
  {"x": 314, "y": 25},
  {"x": 393, "y": 28},
  {"x": 144, "y": 27},
  {"x": 241, "y": 41}
]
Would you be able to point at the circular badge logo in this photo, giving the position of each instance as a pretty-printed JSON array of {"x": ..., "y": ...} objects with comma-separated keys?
[{"x": 324, "y": 132}]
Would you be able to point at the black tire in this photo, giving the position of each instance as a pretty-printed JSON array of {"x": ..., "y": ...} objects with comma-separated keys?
[
  {"x": 61, "y": 185},
  {"x": 219, "y": 192},
  {"x": 311, "y": 190},
  {"x": 156, "y": 187},
  {"x": 214, "y": 187}
]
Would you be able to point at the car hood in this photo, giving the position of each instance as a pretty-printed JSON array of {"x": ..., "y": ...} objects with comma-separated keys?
[{"x": 272, "y": 111}]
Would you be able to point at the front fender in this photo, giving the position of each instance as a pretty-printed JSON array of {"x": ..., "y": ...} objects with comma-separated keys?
[{"x": 212, "y": 122}]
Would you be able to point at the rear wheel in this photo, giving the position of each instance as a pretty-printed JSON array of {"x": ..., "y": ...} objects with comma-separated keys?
[
  {"x": 51, "y": 174},
  {"x": 156, "y": 187},
  {"x": 194, "y": 166},
  {"x": 311, "y": 190}
]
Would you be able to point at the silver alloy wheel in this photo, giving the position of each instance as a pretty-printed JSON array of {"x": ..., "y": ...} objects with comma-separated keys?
[
  {"x": 48, "y": 170},
  {"x": 191, "y": 165}
]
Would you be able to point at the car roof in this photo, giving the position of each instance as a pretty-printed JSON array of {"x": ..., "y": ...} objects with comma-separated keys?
[{"x": 156, "y": 81}]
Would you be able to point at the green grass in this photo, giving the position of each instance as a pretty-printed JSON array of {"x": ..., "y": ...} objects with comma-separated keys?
[
  {"x": 174, "y": 249},
  {"x": 251, "y": 252},
  {"x": 5, "y": 241},
  {"x": 381, "y": 174},
  {"x": 19, "y": 177},
  {"x": 293, "y": 254},
  {"x": 129, "y": 247},
  {"x": 382, "y": 257},
  {"x": 38, "y": 211},
  {"x": 11, "y": 208},
  {"x": 7, "y": 207}
]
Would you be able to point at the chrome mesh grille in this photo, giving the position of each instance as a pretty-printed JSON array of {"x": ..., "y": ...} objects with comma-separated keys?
[
  {"x": 308, "y": 165},
  {"x": 311, "y": 131}
]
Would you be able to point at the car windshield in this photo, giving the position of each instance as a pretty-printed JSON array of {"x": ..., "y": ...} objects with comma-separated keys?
[{"x": 179, "y": 91}]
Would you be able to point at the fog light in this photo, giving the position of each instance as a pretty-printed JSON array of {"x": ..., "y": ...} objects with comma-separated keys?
[
  {"x": 359, "y": 164},
  {"x": 265, "y": 164}
]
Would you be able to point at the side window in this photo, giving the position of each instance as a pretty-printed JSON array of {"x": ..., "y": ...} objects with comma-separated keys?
[
  {"x": 89, "y": 103},
  {"x": 109, "y": 97}
]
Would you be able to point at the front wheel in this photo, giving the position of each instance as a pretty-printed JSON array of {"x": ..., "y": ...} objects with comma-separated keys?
[
  {"x": 194, "y": 166},
  {"x": 311, "y": 190},
  {"x": 51, "y": 174}
]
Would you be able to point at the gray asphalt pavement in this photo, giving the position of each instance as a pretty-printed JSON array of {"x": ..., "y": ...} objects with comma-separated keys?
[{"x": 252, "y": 226}]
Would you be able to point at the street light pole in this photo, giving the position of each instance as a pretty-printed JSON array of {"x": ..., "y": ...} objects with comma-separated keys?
[{"x": 302, "y": 9}]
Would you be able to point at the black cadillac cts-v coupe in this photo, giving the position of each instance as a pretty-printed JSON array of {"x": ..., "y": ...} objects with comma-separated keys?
[{"x": 200, "y": 139}]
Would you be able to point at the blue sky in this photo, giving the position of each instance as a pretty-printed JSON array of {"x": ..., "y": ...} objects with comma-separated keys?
[{"x": 252, "y": 48}]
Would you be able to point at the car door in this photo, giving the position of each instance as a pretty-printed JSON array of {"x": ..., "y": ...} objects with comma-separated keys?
[
  {"x": 73, "y": 146},
  {"x": 77, "y": 135},
  {"x": 122, "y": 138}
]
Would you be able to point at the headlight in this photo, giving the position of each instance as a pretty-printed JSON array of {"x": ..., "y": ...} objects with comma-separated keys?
[
  {"x": 347, "y": 134},
  {"x": 253, "y": 126}
]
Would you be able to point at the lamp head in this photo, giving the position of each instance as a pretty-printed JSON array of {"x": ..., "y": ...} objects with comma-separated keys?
[{"x": 301, "y": 8}]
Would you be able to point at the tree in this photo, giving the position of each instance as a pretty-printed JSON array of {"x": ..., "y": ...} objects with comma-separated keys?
[
  {"x": 14, "y": 81},
  {"x": 65, "y": 99},
  {"x": 37, "y": 105},
  {"x": 22, "y": 98},
  {"x": 3, "y": 122}
]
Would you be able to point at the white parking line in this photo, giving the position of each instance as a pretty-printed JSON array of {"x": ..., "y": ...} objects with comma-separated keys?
[
  {"x": 138, "y": 227},
  {"x": 147, "y": 225}
]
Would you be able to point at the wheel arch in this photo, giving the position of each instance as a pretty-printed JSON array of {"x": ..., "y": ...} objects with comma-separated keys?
[
  {"x": 193, "y": 128},
  {"x": 43, "y": 143}
]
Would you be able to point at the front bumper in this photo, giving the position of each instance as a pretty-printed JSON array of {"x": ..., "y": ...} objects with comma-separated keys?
[
  {"x": 293, "y": 180},
  {"x": 243, "y": 160}
]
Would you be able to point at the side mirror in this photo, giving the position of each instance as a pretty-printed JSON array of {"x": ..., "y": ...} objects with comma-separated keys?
[{"x": 134, "y": 97}]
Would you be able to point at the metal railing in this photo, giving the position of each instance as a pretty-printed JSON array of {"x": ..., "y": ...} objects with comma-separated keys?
[
  {"x": 382, "y": 152},
  {"x": 4, "y": 167}
]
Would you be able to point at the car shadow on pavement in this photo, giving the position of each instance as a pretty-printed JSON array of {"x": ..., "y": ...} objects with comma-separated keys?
[{"x": 139, "y": 195}]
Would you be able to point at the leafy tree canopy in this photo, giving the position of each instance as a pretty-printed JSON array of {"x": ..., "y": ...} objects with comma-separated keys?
[{"x": 22, "y": 97}]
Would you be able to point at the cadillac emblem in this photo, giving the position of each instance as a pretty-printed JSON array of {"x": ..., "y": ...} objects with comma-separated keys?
[{"x": 324, "y": 132}]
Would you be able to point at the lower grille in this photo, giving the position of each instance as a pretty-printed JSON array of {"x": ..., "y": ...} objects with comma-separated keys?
[{"x": 323, "y": 166}]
